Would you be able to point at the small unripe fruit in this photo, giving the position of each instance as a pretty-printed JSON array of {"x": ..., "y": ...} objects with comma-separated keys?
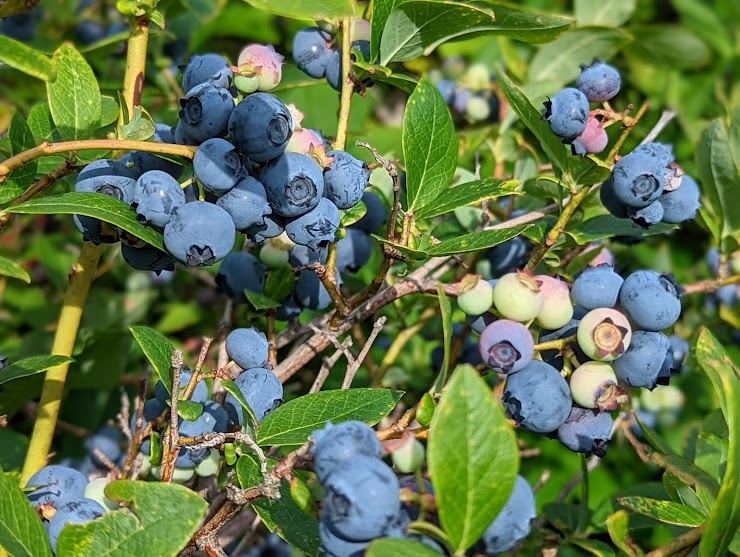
[
  {"x": 506, "y": 346},
  {"x": 407, "y": 454},
  {"x": 517, "y": 296},
  {"x": 557, "y": 307},
  {"x": 476, "y": 298},
  {"x": 593, "y": 139},
  {"x": 263, "y": 62},
  {"x": 594, "y": 385},
  {"x": 604, "y": 334},
  {"x": 273, "y": 257}
]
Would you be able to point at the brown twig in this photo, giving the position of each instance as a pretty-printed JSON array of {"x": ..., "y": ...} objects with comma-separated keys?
[
  {"x": 196, "y": 376},
  {"x": 354, "y": 366},
  {"x": 710, "y": 285},
  {"x": 171, "y": 443},
  {"x": 326, "y": 366}
]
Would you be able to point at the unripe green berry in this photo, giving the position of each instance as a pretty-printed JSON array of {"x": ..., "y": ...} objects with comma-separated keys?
[
  {"x": 95, "y": 490},
  {"x": 557, "y": 308},
  {"x": 477, "y": 109},
  {"x": 604, "y": 334},
  {"x": 476, "y": 298},
  {"x": 210, "y": 466},
  {"x": 273, "y": 257},
  {"x": 246, "y": 84},
  {"x": 517, "y": 296},
  {"x": 594, "y": 385},
  {"x": 179, "y": 476},
  {"x": 408, "y": 455}
]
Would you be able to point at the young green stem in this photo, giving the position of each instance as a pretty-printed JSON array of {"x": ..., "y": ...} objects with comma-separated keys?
[
  {"x": 64, "y": 340},
  {"x": 348, "y": 86},
  {"x": 133, "y": 81},
  {"x": 558, "y": 344}
]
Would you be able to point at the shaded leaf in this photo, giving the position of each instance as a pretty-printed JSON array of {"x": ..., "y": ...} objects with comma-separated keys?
[
  {"x": 189, "y": 410},
  {"x": 607, "y": 12},
  {"x": 476, "y": 241},
  {"x": 668, "y": 46},
  {"x": 445, "y": 308},
  {"x": 279, "y": 283},
  {"x": 466, "y": 194},
  {"x": 158, "y": 350},
  {"x": 667, "y": 512},
  {"x": 618, "y": 526},
  {"x": 31, "y": 366},
  {"x": 21, "y": 139},
  {"x": 232, "y": 388},
  {"x": 24, "y": 58},
  {"x": 260, "y": 301},
  {"x": 399, "y": 547},
  {"x": 11, "y": 269},
  {"x": 300, "y": 9}
]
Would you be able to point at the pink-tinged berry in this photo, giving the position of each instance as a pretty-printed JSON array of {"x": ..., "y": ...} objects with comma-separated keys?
[
  {"x": 593, "y": 139},
  {"x": 303, "y": 140},
  {"x": 359, "y": 30},
  {"x": 594, "y": 385},
  {"x": 407, "y": 453},
  {"x": 517, "y": 296},
  {"x": 557, "y": 307},
  {"x": 476, "y": 297},
  {"x": 296, "y": 117},
  {"x": 506, "y": 346},
  {"x": 604, "y": 334},
  {"x": 262, "y": 61},
  {"x": 605, "y": 256}
]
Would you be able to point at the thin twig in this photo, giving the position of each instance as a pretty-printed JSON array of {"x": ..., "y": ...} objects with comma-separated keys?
[
  {"x": 664, "y": 120},
  {"x": 355, "y": 366},
  {"x": 172, "y": 439}
]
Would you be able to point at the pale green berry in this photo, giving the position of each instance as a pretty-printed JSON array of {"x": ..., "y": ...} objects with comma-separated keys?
[
  {"x": 517, "y": 296},
  {"x": 273, "y": 257},
  {"x": 477, "y": 77},
  {"x": 145, "y": 468},
  {"x": 604, "y": 334},
  {"x": 95, "y": 490},
  {"x": 408, "y": 455},
  {"x": 246, "y": 84},
  {"x": 476, "y": 298},
  {"x": 594, "y": 385},
  {"x": 557, "y": 308},
  {"x": 477, "y": 109},
  {"x": 179, "y": 476},
  {"x": 662, "y": 397},
  {"x": 210, "y": 466}
]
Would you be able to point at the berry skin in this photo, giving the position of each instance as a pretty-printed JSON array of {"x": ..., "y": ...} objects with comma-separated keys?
[
  {"x": 506, "y": 346},
  {"x": 208, "y": 68},
  {"x": 316, "y": 228},
  {"x": 507, "y": 257},
  {"x": 294, "y": 184},
  {"x": 594, "y": 385},
  {"x": 375, "y": 215},
  {"x": 537, "y": 397},
  {"x": 446, "y": 88},
  {"x": 265, "y": 62},
  {"x": 108, "y": 177},
  {"x": 200, "y": 394},
  {"x": 647, "y": 362},
  {"x": 650, "y": 300},
  {"x": 333, "y": 71},
  {"x": 476, "y": 298},
  {"x": 246, "y": 202},
  {"x": 557, "y": 307},
  {"x": 217, "y": 165},
  {"x": 362, "y": 499},
  {"x": 303, "y": 255},
  {"x": 599, "y": 82},
  {"x": 213, "y": 419},
  {"x": 586, "y": 431},
  {"x": 682, "y": 203},
  {"x": 205, "y": 111},
  {"x": 304, "y": 140},
  {"x": 567, "y": 114},
  {"x": 272, "y": 226},
  {"x": 273, "y": 257},
  {"x": 517, "y": 296},
  {"x": 310, "y": 292},
  {"x": 240, "y": 271},
  {"x": 610, "y": 201},
  {"x": 353, "y": 251},
  {"x": 199, "y": 233},
  {"x": 345, "y": 179},
  {"x": 597, "y": 287},
  {"x": 680, "y": 347},
  {"x": 513, "y": 523},
  {"x": 647, "y": 216},
  {"x": 335, "y": 445},
  {"x": 260, "y": 126},
  {"x": 311, "y": 51},
  {"x": 593, "y": 139},
  {"x": 479, "y": 322},
  {"x": 604, "y": 334},
  {"x": 249, "y": 348},
  {"x": 333, "y": 545},
  {"x": 96, "y": 230},
  {"x": 262, "y": 391},
  {"x": 139, "y": 162},
  {"x": 637, "y": 180},
  {"x": 156, "y": 195},
  {"x": 107, "y": 440},
  {"x": 408, "y": 455},
  {"x": 56, "y": 484},
  {"x": 73, "y": 511}
]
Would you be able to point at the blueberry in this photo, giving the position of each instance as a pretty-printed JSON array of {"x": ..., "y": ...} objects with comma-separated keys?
[
  {"x": 353, "y": 251},
  {"x": 303, "y": 255},
  {"x": 479, "y": 322},
  {"x": 261, "y": 126},
  {"x": 597, "y": 287},
  {"x": 265, "y": 61},
  {"x": 89, "y": 31},
  {"x": 200, "y": 393},
  {"x": 205, "y": 111},
  {"x": 361, "y": 498},
  {"x": 375, "y": 215},
  {"x": 333, "y": 545},
  {"x": 199, "y": 233},
  {"x": 217, "y": 165},
  {"x": 477, "y": 109},
  {"x": 208, "y": 68},
  {"x": 513, "y": 523},
  {"x": 508, "y": 256},
  {"x": 289, "y": 310},
  {"x": 637, "y": 180},
  {"x": 106, "y": 176},
  {"x": 147, "y": 258},
  {"x": 345, "y": 179},
  {"x": 650, "y": 300},
  {"x": 555, "y": 357},
  {"x": 567, "y": 114},
  {"x": 592, "y": 139},
  {"x": 75, "y": 511},
  {"x": 537, "y": 397},
  {"x": 310, "y": 292},
  {"x": 506, "y": 346},
  {"x": 249, "y": 348},
  {"x": 154, "y": 408},
  {"x": 610, "y": 201},
  {"x": 333, "y": 72},
  {"x": 682, "y": 203},
  {"x": 294, "y": 184},
  {"x": 645, "y": 217},
  {"x": 96, "y": 230},
  {"x": 240, "y": 271},
  {"x": 141, "y": 161},
  {"x": 460, "y": 100},
  {"x": 317, "y": 227},
  {"x": 680, "y": 348},
  {"x": 594, "y": 385},
  {"x": 586, "y": 431},
  {"x": 647, "y": 361},
  {"x": 261, "y": 390},
  {"x": 182, "y": 137},
  {"x": 557, "y": 307},
  {"x": 311, "y": 51},
  {"x": 339, "y": 444},
  {"x": 517, "y": 296},
  {"x": 213, "y": 419},
  {"x": 446, "y": 88},
  {"x": 21, "y": 27},
  {"x": 107, "y": 440},
  {"x": 156, "y": 195},
  {"x": 599, "y": 82},
  {"x": 272, "y": 226},
  {"x": 56, "y": 484},
  {"x": 247, "y": 203},
  {"x": 604, "y": 334}
]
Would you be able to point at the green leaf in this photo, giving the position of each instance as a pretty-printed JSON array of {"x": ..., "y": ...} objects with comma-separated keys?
[
  {"x": 711, "y": 454},
  {"x": 668, "y": 46},
  {"x": 429, "y": 145},
  {"x": 559, "y": 60},
  {"x": 410, "y": 253},
  {"x": 399, "y": 547},
  {"x": 608, "y": 226},
  {"x": 664, "y": 511},
  {"x": 532, "y": 118},
  {"x": 521, "y": 23},
  {"x": 260, "y": 301},
  {"x": 22, "y": 533},
  {"x": 160, "y": 520},
  {"x": 41, "y": 124},
  {"x": 291, "y": 523},
  {"x": 724, "y": 520},
  {"x": 652, "y": 437},
  {"x": 300, "y": 9},
  {"x": 95, "y": 205},
  {"x": 473, "y": 457},
  {"x": 595, "y": 547},
  {"x": 189, "y": 410},
  {"x": 31, "y": 366},
  {"x": 21, "y": 139},
  {"x": 586, "y": 171},
  {"x": 381, "y": 11},
  {"x": 466, "y": 194},
  {"x": 707, "y": 23},
  {"x": 476, "y": 241},
  {"x": 402, "y": 81},
  {"x": 248, "y": 471},
  {"x": 606, "y": 12},
  {"x": 11, "y": 269},
  {"x": 293, "y": 422},
  {"x": 279, "y": 283},
  {"x": 24, "y": 58},
  {"x": 232, "y": 388},
  {"x": 74, "y": 95},
  {"x": 109, "y": 111},
  {"x": 158, "y": 350},
  {"x": 140, "y": 128},
  {"x": 353, "y": 214},
  {"x": 619, "y": 528},
  {"x": 445, "y": 309},
  {"x": 564, "y": 516}
]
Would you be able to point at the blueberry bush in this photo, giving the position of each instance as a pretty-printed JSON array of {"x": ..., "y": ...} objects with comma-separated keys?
[{"x": 384, "y": 278}]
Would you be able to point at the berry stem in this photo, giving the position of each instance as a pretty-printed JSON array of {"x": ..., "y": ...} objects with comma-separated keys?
[
  {"x": 710, "y": 285},
  {"x": 558, "y": 344},
  {"x": 64, "y": 340},
  {"x": 626, "y": 133},
  {"x": 348, "y": 86},
  {"x": 133, "y": 81}
]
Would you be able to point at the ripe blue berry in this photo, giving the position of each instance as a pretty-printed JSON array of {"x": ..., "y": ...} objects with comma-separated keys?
[
  {"x": 108, "y": 177},
  {"x": 637, "y": 180},
  {"x": 107, "y": 440},
  {"x": 208, "y": 68},
  {"x": 586, "y": 431},
  {"x": 507, "y": 257},
  {"x": 375, "y": 215},
  {"x": 647, "y": 216},
  {"x": 56, "y": 484},
  {"x": 96, "y": 230},
  {"x": 604, "y": 334},
  {"x": 345, "y": 179},
  {"x": 74, "y": 511},
  {"x": 479, "y": 322},
  {"x": 247, "y": 203},
  {"x": 310, "y": 292},
  {"x": 240, "y": 271},
  {"x": 506, "y": 346},
  {"x": 218, "y": 166},
  {"x": 199, "y": 233},
  {"x": 537, "y": 397},
  {"x": 317, "y": 227},
  {"x": 682, "y": 203},
  {"x": 333, "y": 71},
  {"x": 303, "y": 255},
  {"x": 513, "y": 523},
  {"x": 333, "y": 545},
  {"x": 294, "y": 184},
  {"x": 213, "y": 419},
  {"x": 610, "y": 201},
  {"x": 200, "y": 394},
  {"x": 594, "y": 385},
  {"x": 156, "y": 195},
  {"x": 311, "y": 51},
  {"x": 205, "y": 111},
  {"x": 341, "y": 443},
  {"x": 599, "y": 82},
  {"x": 680, "y": 348},
  {"x": 139, "y": 162},
  {"x": 597, "y": 287},
  {"x": 147, "y": 258},
  {"x": 353, "y": 251},
  {"x": 650, "y": 300},
  {"x": 261, "y": 126},
  {"x": 272, "y": 227},
  {"x": 446, "y": 88},
  {"x": 249, "y": 348},
  {"x": 647, "y": 362},
  {"x": 567, "y": 114},
  {"x": 261, "y": 390}
]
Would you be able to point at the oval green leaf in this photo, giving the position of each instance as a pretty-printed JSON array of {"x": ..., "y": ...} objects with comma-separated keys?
[
  {"x": 158, "y": 350},
  {"x": 300, "y": 9}
]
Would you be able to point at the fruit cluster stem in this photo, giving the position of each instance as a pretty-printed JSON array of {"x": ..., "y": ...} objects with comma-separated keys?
[
  {"x": 133, "y": 81},
  {"x": 348, "y": 87}
]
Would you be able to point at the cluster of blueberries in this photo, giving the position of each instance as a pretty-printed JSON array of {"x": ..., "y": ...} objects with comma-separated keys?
[
  {"x": 21, "y": 27},
  {"x": 617, "y": 325},
  {"x": 469, "y": 91},
  {"x": 255, "y": 182}
]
